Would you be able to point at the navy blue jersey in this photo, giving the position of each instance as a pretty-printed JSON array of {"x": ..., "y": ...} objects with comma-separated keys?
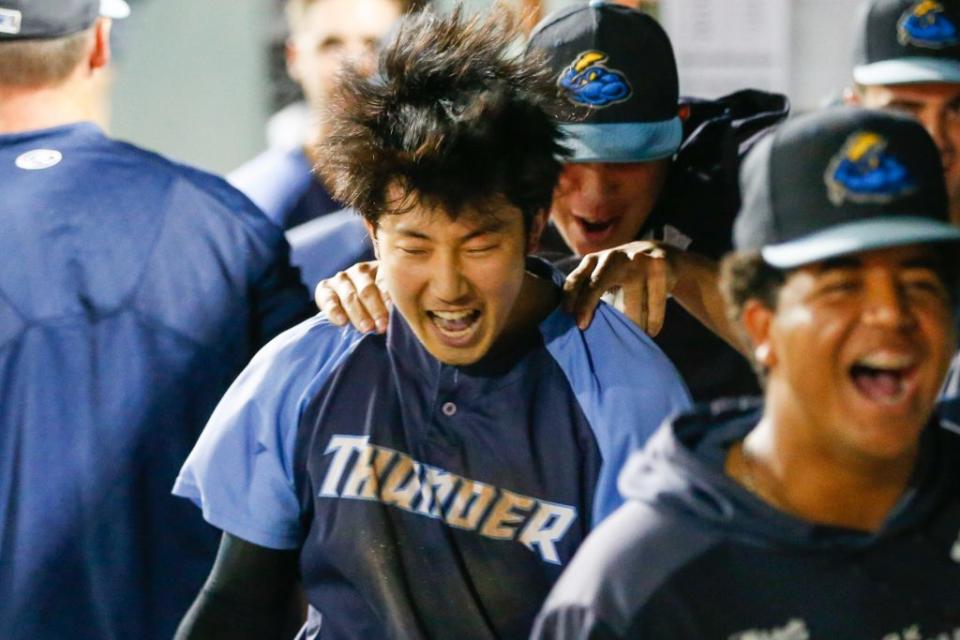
[
  {"x": 694, "y": 555},
  {"x": 429, "y": 500},
  {"x": 132, "y": 292},
  {"x": 282, "y": 184}
]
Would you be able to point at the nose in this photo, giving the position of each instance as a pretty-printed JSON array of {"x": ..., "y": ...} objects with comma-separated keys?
[
  {"x": 447, "y": 282},
  {"x": 586, "y": 185},
  {"x": 886, "y": 303}
]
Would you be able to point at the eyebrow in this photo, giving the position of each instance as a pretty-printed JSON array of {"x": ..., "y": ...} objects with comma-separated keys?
[
  {"x": 493, "y": 226},
  {"x": 904, "y": 103},
  {"x": 853, "y": 262}
]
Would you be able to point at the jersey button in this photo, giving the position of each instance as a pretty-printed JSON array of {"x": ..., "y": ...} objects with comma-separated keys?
[{"x": 449, "y": 409}]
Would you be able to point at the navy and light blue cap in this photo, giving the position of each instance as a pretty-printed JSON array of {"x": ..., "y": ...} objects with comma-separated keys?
[
  {"x": 841, "y": 181},
  {"x": 907, "y": 42},
  {"x": 42, "y": 19},
  {"x": 616, "y": 70}
]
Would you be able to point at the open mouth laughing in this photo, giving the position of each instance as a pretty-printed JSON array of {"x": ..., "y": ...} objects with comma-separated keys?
[
  {"x": 595, "y": 231},
  {"x": 456, "y": 328},
  {"x": 884, "y": 377}
]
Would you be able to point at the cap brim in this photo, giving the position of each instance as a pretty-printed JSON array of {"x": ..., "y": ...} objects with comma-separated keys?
[
  {"x": 908, "y": 71},
  {"x": 116, "y": 9},
  {"x": 855, "y": 237},
  {"x": 623, "y": 141}
]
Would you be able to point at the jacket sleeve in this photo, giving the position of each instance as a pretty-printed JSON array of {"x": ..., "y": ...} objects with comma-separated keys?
[{"x": 279, "y": 298}]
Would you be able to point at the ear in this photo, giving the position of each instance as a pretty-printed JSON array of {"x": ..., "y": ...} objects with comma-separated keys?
[
  {"x": 100, "y": 53},
  {"x": 850, "y": 97},
  {"x": 291, "y": 54},
  {"x": 372, "y": 232},
  {"x": 757, "y": 320},
  {"x": 537, "y": 225}
]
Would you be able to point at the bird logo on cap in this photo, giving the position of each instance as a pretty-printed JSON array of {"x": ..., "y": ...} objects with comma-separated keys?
[
  {"x": 588, "y": 81},
  {"x": 863, "y": 171},
  {"x": 925, "y": 24}
]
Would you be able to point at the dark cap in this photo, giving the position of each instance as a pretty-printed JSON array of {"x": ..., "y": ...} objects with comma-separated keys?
[
  {"x": 907, "y": 41},
  {"x": 616, "y": 65},
  {"x": 37, "y": 19},
  {"x": 841, "y": 181}
]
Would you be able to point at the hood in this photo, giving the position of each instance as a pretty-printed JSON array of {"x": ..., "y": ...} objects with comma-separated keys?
[{"x": 681, "y": 475}]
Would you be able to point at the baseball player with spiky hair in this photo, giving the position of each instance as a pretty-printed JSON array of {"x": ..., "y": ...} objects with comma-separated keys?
[{"x": 431, "y": 482}]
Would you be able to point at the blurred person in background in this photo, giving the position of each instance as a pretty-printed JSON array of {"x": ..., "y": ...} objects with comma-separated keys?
[
  {"x": 323, "y": 34},
  {"x": 133, "y": 291}
]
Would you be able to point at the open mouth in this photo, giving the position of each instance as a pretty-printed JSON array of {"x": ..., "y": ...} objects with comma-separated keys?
[
  {"x": 455, "y": 327},
  {"x": 594, "y": 228},
  {"x": 884, "y": 378}
]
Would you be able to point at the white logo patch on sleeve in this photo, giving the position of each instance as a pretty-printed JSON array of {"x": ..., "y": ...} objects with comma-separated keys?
[
  {"x": 39, "y": 159},
  {"x": 10, "y": 21}
]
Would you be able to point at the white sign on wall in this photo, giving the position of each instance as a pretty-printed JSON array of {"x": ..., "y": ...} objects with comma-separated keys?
[{"x": 725, "y": 45}]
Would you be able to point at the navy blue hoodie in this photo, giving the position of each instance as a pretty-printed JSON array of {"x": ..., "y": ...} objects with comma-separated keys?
[{"x": 692, "y": 554}]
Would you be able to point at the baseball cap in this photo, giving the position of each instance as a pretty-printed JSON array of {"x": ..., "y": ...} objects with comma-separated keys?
[
  {"x": 908, "y": 41},
  {"x": 841, "y": 181},
  {"x": 36, "y": 19},
  {"x": 615, "y": 65}
]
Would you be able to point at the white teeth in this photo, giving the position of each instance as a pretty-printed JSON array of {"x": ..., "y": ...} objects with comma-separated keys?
[
  {"x": 453, "y": 315},
  {"x": 886, "y": 360}
]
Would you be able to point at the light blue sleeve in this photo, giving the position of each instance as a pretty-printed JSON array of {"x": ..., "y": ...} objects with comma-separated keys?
[
  {"x": 240, "y": 473},
  {"x": 625, "y": 385}
]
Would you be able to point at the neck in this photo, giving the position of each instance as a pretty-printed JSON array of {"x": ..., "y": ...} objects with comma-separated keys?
[
  {"x": 822, "y": 485},
  {"x": 537, "y": 299},
  {"x": 29, "y": 109}
]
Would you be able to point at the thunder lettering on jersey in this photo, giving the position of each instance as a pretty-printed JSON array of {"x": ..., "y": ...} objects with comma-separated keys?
[
  {"x": 362, "y": 471},
  {"x": 428, "y": 500}
]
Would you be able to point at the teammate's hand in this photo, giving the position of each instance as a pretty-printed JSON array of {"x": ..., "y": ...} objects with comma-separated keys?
[
  {"x": 355, "y": 296},
  {"x": 641, "y": 273}
]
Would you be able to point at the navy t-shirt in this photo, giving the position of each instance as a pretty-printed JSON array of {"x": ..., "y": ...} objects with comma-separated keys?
[
  {"x": 133, "y": 290},
  {"x": 429, "y": 500}
]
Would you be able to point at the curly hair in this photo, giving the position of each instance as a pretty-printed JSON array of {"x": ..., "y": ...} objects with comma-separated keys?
[{"x": 456, "y": 116}]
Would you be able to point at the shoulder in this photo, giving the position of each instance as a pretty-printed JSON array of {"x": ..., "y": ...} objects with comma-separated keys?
[
  {"x": 613, "y": 349},
  {"x": 274, "y": 180},
  {"x": 309, "y": 347},
  {"x": 620, "y": 567},
  {"x": 181, "y": 185}
]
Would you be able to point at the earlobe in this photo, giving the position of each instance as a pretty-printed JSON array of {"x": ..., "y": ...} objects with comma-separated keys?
[
  {"x": 100, "y": 54},
  {"x": 290, "y": 55},
  {"x": 850, "y": 97},
  {"x": 372, "y": 232},
  {"x": 757, "y": 320},
  {"x": 537, "y": 226}
]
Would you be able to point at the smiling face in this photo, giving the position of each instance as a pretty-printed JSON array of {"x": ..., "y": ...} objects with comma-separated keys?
[
  {"x": 455, "y": 282},
  {"x": 856, "y": 351},
  {"x": 598, "y": 206},
  {"x": 936, "y": 106}
]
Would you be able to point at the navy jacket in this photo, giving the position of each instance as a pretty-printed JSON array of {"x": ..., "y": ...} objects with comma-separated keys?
[
  {"x": 133, "y": 290},
  {"x": 694, "y": 555},
  {"x": 427, "y": 500}
]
